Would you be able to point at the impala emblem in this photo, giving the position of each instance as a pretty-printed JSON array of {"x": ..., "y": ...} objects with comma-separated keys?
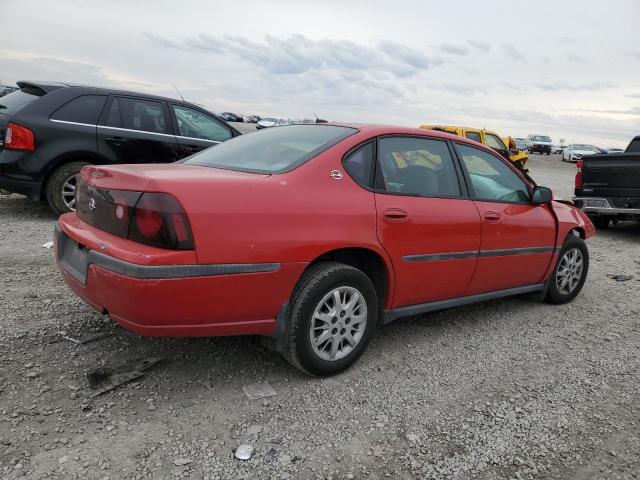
[
  {"x": 336, "y": 174},
  {"x": 92, "y": 203}
]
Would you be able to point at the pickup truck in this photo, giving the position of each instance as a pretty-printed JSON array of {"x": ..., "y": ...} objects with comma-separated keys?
[{"x": 608, "y": 186}]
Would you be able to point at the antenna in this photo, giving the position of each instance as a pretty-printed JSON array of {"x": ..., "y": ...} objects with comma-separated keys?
[{"x": 179, "y": 93}]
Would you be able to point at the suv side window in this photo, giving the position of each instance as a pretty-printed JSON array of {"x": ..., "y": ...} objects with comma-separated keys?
[
  {"x": 83, "y": 109},
  {"x": 195, "y": 124},
  {"x": 416, "y": 166},
  {"x": 491, "y": 179},
  {"x": 473, "y": 136},
  {"x": 138, "y": 114},
  {"x": 494, "y": 142},
  {"x": 359, "y": 165}
]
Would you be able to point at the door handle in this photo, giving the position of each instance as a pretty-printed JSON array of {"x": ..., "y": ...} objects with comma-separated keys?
[
  {"x": 117, "y": 141},
  {"x": 492, "y": 216},
  {"x": 395, "y": 215}
]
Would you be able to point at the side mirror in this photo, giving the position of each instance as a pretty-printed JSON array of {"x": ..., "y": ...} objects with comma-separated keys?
[{"x": 541, "y": 195}]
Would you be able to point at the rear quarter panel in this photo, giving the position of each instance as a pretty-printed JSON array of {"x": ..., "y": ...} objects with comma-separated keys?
[{"x": 290, "y": 217}]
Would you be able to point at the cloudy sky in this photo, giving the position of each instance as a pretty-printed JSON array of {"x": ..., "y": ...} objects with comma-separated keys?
[{"x": 569, "y": 68}]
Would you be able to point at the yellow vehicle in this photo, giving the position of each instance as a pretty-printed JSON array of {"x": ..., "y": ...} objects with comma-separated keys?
[{"x": 504, "y": 146}]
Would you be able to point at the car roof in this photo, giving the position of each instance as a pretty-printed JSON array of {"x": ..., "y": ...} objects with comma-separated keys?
[{"x": 50, "y": 86}]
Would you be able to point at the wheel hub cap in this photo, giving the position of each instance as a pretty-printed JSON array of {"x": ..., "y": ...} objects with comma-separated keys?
[
  {"x": 569, "y": 271},
  {"x": 338, "y": 323},
  {"x": 69, "y": 192}
]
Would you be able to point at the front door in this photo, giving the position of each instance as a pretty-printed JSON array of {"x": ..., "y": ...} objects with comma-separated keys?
[
  {"x": 518, "y": 237},
  {"x": 136, "y": 130},
  {"x": 430, "y": 231},
  {"x": 196, "y": 130}
]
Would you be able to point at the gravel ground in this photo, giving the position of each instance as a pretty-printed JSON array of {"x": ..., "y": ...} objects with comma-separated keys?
[{"x": 504, "y": 389}]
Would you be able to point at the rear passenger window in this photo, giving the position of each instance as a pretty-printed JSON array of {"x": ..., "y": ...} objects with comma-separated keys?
[
  {"x": 138, "y": 114},
  {"x": 84, "y": 109},
  {"x": 416, "y": 166},
  {"x": 473, "y": 136},
  {"x": 359, "y": 164}
]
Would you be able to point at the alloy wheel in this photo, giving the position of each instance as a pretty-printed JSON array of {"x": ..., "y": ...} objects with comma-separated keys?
[
  {"x": 338, "y": 323},
  {"x": 69, "y": 192},
  {"x": 569, "y": 271}
]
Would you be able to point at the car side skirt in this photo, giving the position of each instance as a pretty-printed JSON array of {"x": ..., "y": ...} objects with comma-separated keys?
[{"x": 391, "y": 315}]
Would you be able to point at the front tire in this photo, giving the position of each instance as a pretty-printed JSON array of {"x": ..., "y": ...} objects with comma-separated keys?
[
  {"x": 61, "y": 186},
  {"x": 332, "y": 317},
  {"x": 571, "y": 271}
]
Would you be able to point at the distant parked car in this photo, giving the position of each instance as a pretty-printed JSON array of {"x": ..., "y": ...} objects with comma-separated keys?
[
  {"x": 232, "y": 117},
  {"x": 539, "y": 144},
  {"x": 271, "y": 122},
  {"x": 576, "y": 151},
  {"x": 521, "y": 144},
  {"x": 615, "y": 150},
  {"x": 51, "y": 130},
  {"x": 4, "y": 90},
  {"x": 558, "y": 148},
  {"x": 252, "y": 119},
  {"x": 602, "y": 151}
]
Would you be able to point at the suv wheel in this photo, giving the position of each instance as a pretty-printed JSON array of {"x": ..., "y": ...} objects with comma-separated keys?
[
  {"x": 61, "y": 187},
  {"x": 601, "y": 222},
  {"x": 333, "y": 315},
  {"x": 571, "y": 270}
]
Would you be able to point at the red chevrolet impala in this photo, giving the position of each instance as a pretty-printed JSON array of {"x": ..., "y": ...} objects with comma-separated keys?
[{"x": 314, "y": 235}]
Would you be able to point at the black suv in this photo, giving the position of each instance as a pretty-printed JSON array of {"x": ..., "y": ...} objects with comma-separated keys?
[{"x": 51, "y": 130}]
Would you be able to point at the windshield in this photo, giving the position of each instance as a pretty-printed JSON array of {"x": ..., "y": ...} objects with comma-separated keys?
[
  {"x": 584, "y": 147},
  {"x": 541, "y": 138},
  {"x": 11, "y": 103},
  {"x": 274, "y": 150}
]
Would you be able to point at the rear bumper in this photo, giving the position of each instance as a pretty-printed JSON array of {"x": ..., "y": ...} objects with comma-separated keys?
[
  {"x": 178, "y": 300},
  {"x": 601, "y": 206},
  {"x": 13, "y": 179}
]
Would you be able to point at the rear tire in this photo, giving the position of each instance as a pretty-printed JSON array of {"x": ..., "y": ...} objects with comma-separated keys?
[
  {"x": 601, "y": 223},
  {"x": 570, "y": 273},
  {"x": 60, "y": 187},
  {"x": 327, "y": 335}
]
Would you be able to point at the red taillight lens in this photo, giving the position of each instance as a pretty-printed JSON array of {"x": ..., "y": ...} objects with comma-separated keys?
[
  {"x": 159, "y": 220},
  {"x": 155, "y": 219},
  {"x": 17, "y": 137},
  {"x": 579, "y": 164}
]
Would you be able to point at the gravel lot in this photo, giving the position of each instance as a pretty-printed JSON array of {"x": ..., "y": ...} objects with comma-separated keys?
[{"x": 504, "y": 389}]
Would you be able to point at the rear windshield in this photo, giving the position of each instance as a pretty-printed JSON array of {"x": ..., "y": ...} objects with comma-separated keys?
[
  {"x": 273, "y": 150},
  {"x": 11, "y": 103}
]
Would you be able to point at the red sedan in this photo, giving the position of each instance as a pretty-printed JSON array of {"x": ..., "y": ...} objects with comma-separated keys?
[{"x": 314, "y": 235}]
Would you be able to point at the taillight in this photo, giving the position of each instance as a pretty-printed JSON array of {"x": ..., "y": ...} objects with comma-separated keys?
[
  {"x": 17, "y": 137},
  {"x": 159, "y": 220},
  {"x": 155, "y": 219},
  {"x": 579, "y": 164}
]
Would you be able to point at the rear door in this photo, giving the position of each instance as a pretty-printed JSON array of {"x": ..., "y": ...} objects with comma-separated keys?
[
  {"x": 197, "y": 130},
  {"x": 137, "y": 130},
  {"x": 425, "y": 221},
  {"x": 518, "y": 237}
]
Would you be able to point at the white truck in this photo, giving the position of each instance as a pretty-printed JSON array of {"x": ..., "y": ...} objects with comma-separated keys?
[{"x": 539, "y": 144}]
